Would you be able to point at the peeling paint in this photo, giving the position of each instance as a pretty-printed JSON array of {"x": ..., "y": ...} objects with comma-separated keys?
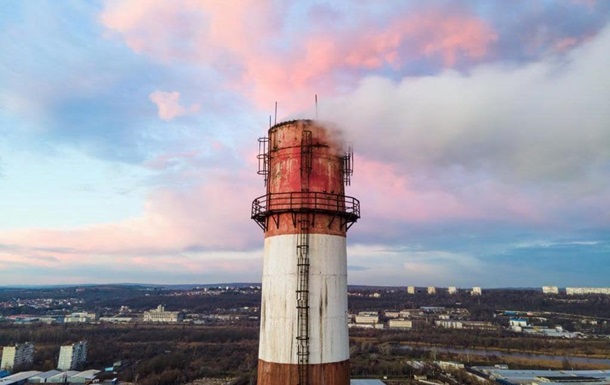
[
  {"x": 328, "y": 333},
  {"x": 328, "y": 290}
]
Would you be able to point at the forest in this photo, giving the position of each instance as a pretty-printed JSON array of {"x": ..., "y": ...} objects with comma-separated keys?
[{"x": 177, "y": 354}]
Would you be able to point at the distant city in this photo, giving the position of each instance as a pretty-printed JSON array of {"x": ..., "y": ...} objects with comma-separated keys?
[{"x": 387, "y": 310}]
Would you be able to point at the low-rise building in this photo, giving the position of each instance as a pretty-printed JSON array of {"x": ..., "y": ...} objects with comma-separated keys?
[
  {"x": 372, "y": 313},
  {"x": 471, "y": 325},
  {"x": 367, "y": 319},
  {"x": 542, "y": 376},
  {"x": 410, "y": 289},
  {"x": 400, "y": 324},
  {"x": 62, "y": 377},
  {"x": 366, "y": 326},
  {"x": 452, "y": 290},
  {"x": 116, "y": 320},
  {"x": 19, "y": 378},
  {"x": 81, "y": 317},
  {"x": 43, "y": 377},
  {"x": 431, "y": 290},
  {"x": 517, "y": 322},
  {"x": 476, "y": 290},
  {"x": 410, "y": 313},
  {"x": 550, "y": 290},
  {"x": 449, "y": 324},
  {"x": 433, "y": 309},
  {"x": 86, "y": 376},
  {"x": 479, "y": 325},
  {"x": 392, "y": 314},
  {"x": 161, "y": 315},
  {"x": 556, "y": 332},
  {"x": 587, "y": 290}
]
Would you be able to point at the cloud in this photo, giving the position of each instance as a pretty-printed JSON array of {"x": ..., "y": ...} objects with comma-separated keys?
[
  {"x": 202, "y": 226},
  {"x": 443, "y": 266},
  {"x": 280, "y": 61},
  {"x": 59, "y": 89},
  {"x": 171, "y": 269},
  {"x": 461, "y": 168},
  {"x": 169, "y": 106},
  {"x": 331, "y": 45},
  {"x": 538, "y": 132},
  {"x": 356, "y": 268},
  {"x": 474, "y": 130},
  {"x": 387, "y": 265}
]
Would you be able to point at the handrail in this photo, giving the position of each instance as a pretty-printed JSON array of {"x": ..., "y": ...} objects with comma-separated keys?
[{"x": 299, "y": 201}]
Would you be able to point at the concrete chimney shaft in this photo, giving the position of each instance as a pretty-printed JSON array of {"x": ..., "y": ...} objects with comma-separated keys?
[{"x": 305, "y": 215}]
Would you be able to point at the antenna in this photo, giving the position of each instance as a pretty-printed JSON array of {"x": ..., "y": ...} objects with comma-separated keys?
[
  {"x": 275, "y": 121},
  {"x": 269, "y": 121},
  {"x": 316, "y": 106}
]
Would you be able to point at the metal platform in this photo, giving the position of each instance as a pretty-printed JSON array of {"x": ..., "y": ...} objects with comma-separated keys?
[{"x": 272, "y": 204}]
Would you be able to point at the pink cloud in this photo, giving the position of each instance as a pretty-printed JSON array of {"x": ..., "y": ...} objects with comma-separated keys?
[
  {"x": 565, "y": 44},
  {"x": 396, "y": 198},
  {"x": 204, "y": 31},
  {"x": 241, "y": 40},
  {"x": 224, "y": 262},
  {"x": 325, "y": 55},
  {"x": 151, "y": 26},
  {"x": 169, "y": 106},
  {"x": 209, "y": 222},
  {"x": 206, "y": 228},
  {"x": 429, "y": 33},
  {"x": 456, "y": 35}
]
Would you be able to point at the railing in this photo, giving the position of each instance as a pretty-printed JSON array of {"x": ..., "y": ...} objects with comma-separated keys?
[
  {"x": 263, "y": 158},
  {"x": 305, "y": 201},
  {"x": 348, "y": 166}
]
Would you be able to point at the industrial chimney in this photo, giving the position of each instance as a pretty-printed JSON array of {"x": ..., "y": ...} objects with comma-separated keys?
[{"x": 305, "y": 216}]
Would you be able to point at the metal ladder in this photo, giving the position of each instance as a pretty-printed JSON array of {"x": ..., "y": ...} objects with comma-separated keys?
[
  {"x": 302, "y": 251},
  {"x": 263, "y": 158}
]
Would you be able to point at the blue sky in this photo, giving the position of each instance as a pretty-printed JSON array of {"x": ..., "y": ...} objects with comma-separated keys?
[{"x": 481, "y": 131}]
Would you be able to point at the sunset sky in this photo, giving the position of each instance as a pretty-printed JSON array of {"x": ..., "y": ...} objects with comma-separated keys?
[{"x": 481, "y": 133}]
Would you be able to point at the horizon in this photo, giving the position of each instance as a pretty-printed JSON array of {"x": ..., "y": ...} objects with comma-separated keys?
[
  {"x": 219, "y": 284},
  {"x": 128, "y": 137}
]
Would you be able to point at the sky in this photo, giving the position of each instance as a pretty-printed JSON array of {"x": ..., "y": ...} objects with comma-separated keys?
[{"x": 481, "y": 135}]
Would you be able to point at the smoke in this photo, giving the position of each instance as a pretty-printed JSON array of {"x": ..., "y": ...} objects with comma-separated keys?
[
  {"x": 546, "y": 121},
  {"x": 336, "y": 137}
]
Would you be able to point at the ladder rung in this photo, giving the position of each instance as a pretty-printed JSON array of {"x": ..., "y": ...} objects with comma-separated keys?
[{"x": 302, "y": 292}]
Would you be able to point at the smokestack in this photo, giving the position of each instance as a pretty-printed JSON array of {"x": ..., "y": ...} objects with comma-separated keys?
[{"x": 305, "y": 216}]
